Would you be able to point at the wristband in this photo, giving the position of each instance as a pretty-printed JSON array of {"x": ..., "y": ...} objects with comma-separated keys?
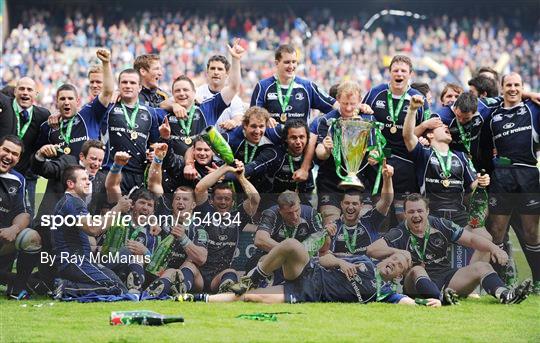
[
  {"x": 116, "y": 168},
  {"x": 157, "y": 160},
  {"x": 185, "y": 241}
]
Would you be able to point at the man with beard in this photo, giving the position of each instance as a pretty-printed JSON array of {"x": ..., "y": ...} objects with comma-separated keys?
[
  {"x": 352, "y": 234},
  {"x": 352, "y": 279},
  {"x": 14, "y": 221},
  {"x": 217, "y": 72},
  {"x": 224, "y": 229},
  {"x": 427, "y": 239},
  {"x": 287, "y": 96},
  {"x": 149, "y": 68},
  {"x": 76, "y": 127}
]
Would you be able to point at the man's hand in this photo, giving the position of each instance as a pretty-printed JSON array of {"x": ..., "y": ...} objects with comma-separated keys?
[
  {"x": 115, "y": 96},
  {"x": 433, "y": 302},
  {"x": 178, "y": 231},
  {"x": 328, "y": 144},
  {"x": 432, "y": 123},
  {"x": 272, "y": 123},
  {"x": 212, "y": 168},
  {"x": 136, "y": 248},
  {"x": 179, "y": 111},
  {"x": 236, "y": 50},
  {"x": 372, "y": 157},
  {"x": 121, "y": 158},
  {"x": 499, "y": 256},
  {"x": 190, "y": 173},
  {"x": 229, "y": 124},
  {"x": 365, "y": 108},
  {"x": 48, "y": 151},
  {"x": 349, "y": 269},
  {"x": 123, "y": 205},
  {"x": 483, "y": 180},
  {"x": 423, "y": 141},
  {"x": 54, "y": 120},
  {"x": 300, "y": 175},
  {"x": 104, "y": 55},
  {"x": 416, "y": 102},
  {"x": 387, "y": 171},
  {"x": 165, "y": 129},
  {"x": 160, "y": 150},
  {"x": 155, "y": 230},
  {"x": 331, "y": 228},
  {"x": 8, "y": 234}
]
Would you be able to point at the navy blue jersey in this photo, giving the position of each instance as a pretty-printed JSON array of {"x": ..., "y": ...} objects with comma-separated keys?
[
  {"x": 70, "y": 240},
  {"x": 206, "y": 114},
  {"x": 178, "y": 255},
  {"x": 152, "y": 97},
  {"x": 280, "y": 173},
  {"x": 430, "y": 178},
  {"x": 377, "y": 99},
  {"x": 85, "y": 126},
  {"x": 305, "y": 96},
  {"x": 12, "y": 197},
  {"x": 516, "y": 132},
  {"x": 256, "y": 169},
  {"x": 366, "y": 232},
  {"x": 223, "y": 235},
  {"x": 442, "y": 233},
  {"x": 272, "y": 222},
  {"x": 361, "y": 288},
  {"x": 117, "y": 135}
]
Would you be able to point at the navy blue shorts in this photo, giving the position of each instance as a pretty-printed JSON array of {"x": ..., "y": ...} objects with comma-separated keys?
[
  {"x": 515, "y": 189},
  {"x": 306, "y": 287},
  {"x": 442, "y": 278}
]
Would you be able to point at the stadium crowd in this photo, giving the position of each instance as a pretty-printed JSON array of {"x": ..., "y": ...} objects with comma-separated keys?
[{"x": 156, "y": 168}]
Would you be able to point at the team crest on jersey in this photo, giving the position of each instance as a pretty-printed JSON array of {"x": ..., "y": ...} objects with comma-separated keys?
[
  {"x": 12, "y": 190},
  {"x": 380, "y": 104},
  {"x": 144, "y": 116},
  {"x": 477, "y": 122},
  {"x": 288, "y": 108},
  {"x": 438, "y": 242},
  {"x": 405, "y": 108},
  {"x": 173, "y": 120},
  {"x": 299, "y": 96},
  {"x": 508, "y": 126},
  {"x": 434, "y": 160},
  {"x": 497, "y": 118},
  {"x": 325, "y": 198},
  {"x": 493, "y": 201},
  {"x": 521, "y": 111},
  {"x": 271, "y": 96},
  {"x": 302, "y": 231}
]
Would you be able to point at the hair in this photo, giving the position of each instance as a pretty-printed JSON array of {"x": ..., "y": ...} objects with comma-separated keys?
[
  {"x": 67, "y": 87},
  {"x": 509, "y": 74},
  {"x": 348, "y": 87},
  {"x": 353, "y": 193},
  {"x": 333, "y": 90},
  {"x": 288, "y": 198},
  {"x": 183, "y": 78},
  {"x": 143, "y": 193},
  {"x": 219, "y": 58},
  {"x": 92, "y": 143},
  {"x": 197, "y": 139},
  {"x": 255, "y": 112},
  {"x": 414, "y": 197},
  {"x": 70, "y": 174},
  {"x": 484, "y": 84},
  {"x": 222, "y": 185},
  {"x": 13, "y": 139},
  {"x": 95, "y": 69},
  {"x": 402, "y": 59},
  {"x": 467, "y": 102},
  {"x": 129, "y": 71},
  {"x": 144, "y": 61},
  {"x": 294, "y": 124},
  {"x": 450, "y": 86},
  {"x": 488, "y": 70},
  {"x": 284, "y": 49},
  {"x": 185, "y": 189},
  {"x": 422, "y": 87}
]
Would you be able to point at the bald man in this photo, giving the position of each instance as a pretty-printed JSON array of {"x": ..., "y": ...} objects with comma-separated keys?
[{"x": 19, "y": 116}]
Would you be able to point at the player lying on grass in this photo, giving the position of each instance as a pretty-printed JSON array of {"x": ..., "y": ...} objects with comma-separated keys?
[
  {"x": 427, "y": 239},
  {"x": 331, "y": 279}
]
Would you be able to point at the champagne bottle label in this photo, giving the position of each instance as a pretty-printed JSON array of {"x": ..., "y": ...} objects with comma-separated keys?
[{"x": 160, "y": 257}]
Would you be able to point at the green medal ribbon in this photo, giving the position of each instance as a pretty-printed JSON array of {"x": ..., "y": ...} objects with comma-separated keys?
[
  {"x": 130, "y": 120},
  {"x": 66, "y": 135},
  {"x": 246, "y": 152},
  {"x": 284, "y": 102},
  {"x": 288, "y": 233},
  {"x": 414, "y": 241},
  {"x": 350, "y": 242},
  {"x": 465, "y": 137},
  {"x": 445, "y": 165},
  {"x": 394, "y": 115},
  {"x": 380, "y": 143},
  {"x": 291, "y": 165},
  {"x": 427, "y": 114},
  {"x": 187, "y": 126},
  {"x": 17, "y": 109},
  {"x": 135, "y": 232}
]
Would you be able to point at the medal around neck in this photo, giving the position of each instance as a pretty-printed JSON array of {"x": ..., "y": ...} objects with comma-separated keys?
[{"x": 218, "y": 144}]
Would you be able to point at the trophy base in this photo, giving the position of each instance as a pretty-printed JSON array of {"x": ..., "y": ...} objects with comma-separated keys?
[{"x": 351, "y": 182}]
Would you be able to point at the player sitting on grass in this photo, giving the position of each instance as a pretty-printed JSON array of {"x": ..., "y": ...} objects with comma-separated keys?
[{"x": 353, "y": 279}]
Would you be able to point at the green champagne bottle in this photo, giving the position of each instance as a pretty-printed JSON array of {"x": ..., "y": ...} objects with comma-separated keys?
[
  {"x": 315, "y": 242},
  {"x": 142, "y": 318},
  {"x": 115, "y": 238},
  {"x": 161, "y": 256},
  {"x": 218, "y": 144},
  {"x": 478, "y": 206}
]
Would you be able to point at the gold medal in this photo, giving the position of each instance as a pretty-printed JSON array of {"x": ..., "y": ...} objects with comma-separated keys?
[
  {"x": 393, "y": 129},
  {"x": 134, "y": 135},
  {"x": 446, "y": 183},
  {"x": 188, "y": 140},
  {"x": 283, "y": 117},
  {"x": 67, "y": 150}
]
